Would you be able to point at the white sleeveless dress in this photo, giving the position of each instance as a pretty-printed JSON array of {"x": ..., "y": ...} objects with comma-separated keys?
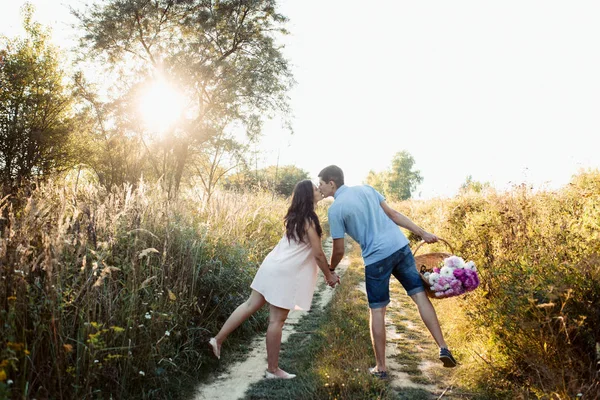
[{"x": 288, "y": 275}]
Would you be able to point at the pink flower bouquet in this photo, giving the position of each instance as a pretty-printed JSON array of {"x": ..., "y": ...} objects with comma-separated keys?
[{"x": 454, "y": 277}]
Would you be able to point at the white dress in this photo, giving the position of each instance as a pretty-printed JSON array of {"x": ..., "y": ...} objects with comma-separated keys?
[{"x": 288, "y": 275}]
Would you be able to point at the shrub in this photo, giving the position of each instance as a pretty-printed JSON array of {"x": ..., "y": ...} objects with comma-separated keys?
[{"x": 532, "y": 327}]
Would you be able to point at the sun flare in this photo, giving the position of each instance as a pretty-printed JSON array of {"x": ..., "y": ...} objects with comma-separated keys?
[{"x": 160, "y": 106}]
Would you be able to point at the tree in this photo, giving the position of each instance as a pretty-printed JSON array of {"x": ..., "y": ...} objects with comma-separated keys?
[
  {"x": 399, "y": 181},
  {"x": 377, "y": 180},
  {"x": 278, "y": 179},
  {"x": 35, "y": 107},
  {"x": 474, "y": 186},
  {"x": 221, "y": 54},
  {"x": 286, "y": 178},
  {"x": 403, "y": 180},
  {"x": 221, "y": 155}
]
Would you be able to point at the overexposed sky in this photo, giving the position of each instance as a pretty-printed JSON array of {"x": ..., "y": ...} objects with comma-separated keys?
[{"x": 508, "y": 92}]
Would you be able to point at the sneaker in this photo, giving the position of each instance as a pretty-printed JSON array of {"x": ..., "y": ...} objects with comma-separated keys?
[
  {"x": 379, "y": 374},
  {"x": 446, "y": 358}
]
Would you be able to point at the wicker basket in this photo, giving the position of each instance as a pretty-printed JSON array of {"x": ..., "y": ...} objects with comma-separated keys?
[{"x": 426, "y": 263}]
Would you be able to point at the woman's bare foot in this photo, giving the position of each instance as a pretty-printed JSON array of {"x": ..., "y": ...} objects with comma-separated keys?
[
  {"x": 278, "y": 374},
  {"x": 216, "y": 348}
]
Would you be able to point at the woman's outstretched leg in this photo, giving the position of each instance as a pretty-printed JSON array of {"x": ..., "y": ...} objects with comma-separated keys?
[
  {"x": 277, "y": 317},
  {"x": 242, "y": 313}
]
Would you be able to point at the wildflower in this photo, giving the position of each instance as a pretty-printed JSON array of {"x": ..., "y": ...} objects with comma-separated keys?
[
  {"x": 142, "y": 373},
  {"x": 2, "y": 375},
  {"x": 167, "y": 333},
  {"x": 147, "y": 316}
]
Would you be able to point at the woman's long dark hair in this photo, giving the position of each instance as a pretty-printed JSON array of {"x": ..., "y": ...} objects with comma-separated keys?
[{"x": 301, "y": 210}]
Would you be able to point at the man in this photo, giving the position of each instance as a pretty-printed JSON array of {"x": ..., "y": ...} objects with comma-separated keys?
[{"x": 362, "y": 213}]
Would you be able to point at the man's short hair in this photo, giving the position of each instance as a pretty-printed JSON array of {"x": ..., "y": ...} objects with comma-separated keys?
[{"x": 332, "y": 173}]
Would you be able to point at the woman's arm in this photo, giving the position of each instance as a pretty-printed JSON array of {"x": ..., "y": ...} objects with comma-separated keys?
[{"x": 317, "y": 251}]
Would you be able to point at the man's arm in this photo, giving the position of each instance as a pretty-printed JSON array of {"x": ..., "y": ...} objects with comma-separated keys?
[
  {"x": 404, "y": 222},
  {"x": 337, "y": 253}
]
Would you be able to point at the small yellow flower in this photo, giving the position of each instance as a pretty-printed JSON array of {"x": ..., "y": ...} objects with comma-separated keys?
[
  {"x": 2, "y": 375},
  {"x": 15, "y": 346}
]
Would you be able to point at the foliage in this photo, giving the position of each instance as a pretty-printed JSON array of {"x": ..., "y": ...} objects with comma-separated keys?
[
  {"x": 475, "y": 186},
  {"x": 532, "y": 328},
  {"x": 399, "y": 181},
  {"x": 278, "y": 179},
  {"x": 223, "y": 56},
  {"x": 220, "y": 155},
  {"x": 116, "y": 293},
  {"x": 36, "y": 117},
  {"x": 115, "y": 156}
]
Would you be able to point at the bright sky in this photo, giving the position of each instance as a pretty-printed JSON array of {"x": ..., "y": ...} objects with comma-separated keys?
[{"x": 508, "y": 92}]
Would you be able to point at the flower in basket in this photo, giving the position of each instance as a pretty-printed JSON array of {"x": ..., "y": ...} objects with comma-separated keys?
[
  {"x": 432, "y": 277},
  {"x": 453, "y": 278},
  {"x": 454, "y": 262}
]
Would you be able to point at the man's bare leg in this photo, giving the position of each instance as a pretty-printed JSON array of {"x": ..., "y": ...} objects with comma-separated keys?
[
  {"x": 429, "y": 317},
  {"x": 378, "y": 336}
]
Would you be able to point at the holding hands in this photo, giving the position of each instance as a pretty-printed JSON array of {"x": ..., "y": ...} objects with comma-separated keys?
[{"x": 333, "y": 280}]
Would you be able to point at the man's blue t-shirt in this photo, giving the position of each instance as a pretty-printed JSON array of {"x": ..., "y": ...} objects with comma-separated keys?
[{"x": 357, "y": 212}]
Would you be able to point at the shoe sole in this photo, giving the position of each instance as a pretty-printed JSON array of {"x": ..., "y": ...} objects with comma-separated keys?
[{"x": 448, "y": 362}]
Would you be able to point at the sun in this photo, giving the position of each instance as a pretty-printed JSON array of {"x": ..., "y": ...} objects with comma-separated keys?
[{"x": 160, "y": 106}]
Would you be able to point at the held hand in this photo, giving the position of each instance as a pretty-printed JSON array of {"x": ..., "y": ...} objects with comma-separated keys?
[
  {"x": 338, "y": 280},
  {"x": 429, "y": 237},
  {"x": 333, "y": 280}
]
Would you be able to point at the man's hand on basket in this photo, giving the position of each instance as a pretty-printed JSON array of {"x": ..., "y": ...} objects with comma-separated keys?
[{"x": 429, "y": 237}]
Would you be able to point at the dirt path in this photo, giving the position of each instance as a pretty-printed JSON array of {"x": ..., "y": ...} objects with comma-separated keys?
[
  {"x": 398, "y": 378},
  {"x": 234, "y": 383}
]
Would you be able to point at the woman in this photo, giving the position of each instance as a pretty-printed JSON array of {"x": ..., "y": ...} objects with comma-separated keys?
[{"x": 287, "y": 276}]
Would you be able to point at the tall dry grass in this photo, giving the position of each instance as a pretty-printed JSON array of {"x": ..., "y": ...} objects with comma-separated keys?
[
  {"x": 115, "y": 294},
  {"x": 532, "y": 328}
]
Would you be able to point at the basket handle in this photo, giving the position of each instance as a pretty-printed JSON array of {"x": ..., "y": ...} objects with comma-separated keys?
[{"x": 422, "y": 242}]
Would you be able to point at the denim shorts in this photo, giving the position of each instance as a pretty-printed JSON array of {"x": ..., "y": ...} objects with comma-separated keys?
[{"x": 377, "y": 277}]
